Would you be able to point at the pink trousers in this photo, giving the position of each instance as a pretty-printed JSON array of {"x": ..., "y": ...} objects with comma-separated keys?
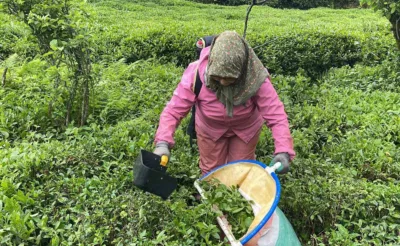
[{"x": 226, "y": 149}]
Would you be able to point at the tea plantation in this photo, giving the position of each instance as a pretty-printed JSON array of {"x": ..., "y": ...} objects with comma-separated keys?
[{"x": 336, "y": 70}]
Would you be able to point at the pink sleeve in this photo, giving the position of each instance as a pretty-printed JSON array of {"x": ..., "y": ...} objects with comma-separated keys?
[
  {"x": 178, "y": 107},
  {"x": 273, "y": 112}
]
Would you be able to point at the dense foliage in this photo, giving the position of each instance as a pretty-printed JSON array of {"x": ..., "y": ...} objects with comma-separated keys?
[
  {"x": 63, "y": 39},
  {"x": 336, "y": 71},
  {"x": 391, "y": 10},
  {"x": 287, "y": 41}
]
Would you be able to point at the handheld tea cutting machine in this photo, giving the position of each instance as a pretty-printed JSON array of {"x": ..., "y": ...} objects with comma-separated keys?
[{"x": 150, "y": 174}]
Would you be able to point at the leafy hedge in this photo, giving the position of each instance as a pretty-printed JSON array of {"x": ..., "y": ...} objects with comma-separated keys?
[
  {"x": 344, "y": 184},
  {"x": 287, "y": 42},
  {"x": 18, "y": 115},
  {"x": 383, "y": 77},
  {"x": 74, "y": 185}
]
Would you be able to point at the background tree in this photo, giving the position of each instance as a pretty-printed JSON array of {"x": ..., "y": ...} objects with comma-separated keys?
[
  {"x": 391, "y": 10},
  {"x": 62, "y": 33}
]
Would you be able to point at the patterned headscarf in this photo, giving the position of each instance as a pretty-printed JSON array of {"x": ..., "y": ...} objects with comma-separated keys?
[{"x": 231, "y": 57}]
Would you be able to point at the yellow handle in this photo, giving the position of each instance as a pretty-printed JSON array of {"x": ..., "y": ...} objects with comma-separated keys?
[{"x": 164, "y": 160}]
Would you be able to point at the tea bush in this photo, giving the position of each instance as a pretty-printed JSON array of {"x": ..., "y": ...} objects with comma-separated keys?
[
  {"x": 24, "y": 101},
  {"x": 16, "y": 38},
  {"x": 129, "y": 90},
  {"x": 82, "y": 192},
  {"x": 343, "y": 137},
  {"x": 68, "y": 185},
  {"x": 79, "y": 186},
  {"x": 383, "y": 77},
  {"x": 287, "y": 42}
]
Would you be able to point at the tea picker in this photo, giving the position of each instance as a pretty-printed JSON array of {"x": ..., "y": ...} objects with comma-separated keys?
[{"x": 233, "y": 78}]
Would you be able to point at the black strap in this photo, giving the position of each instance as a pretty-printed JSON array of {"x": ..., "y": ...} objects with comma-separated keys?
[
  {"x": 197, "y": 84},
  {"x": 191, "y": 131}
]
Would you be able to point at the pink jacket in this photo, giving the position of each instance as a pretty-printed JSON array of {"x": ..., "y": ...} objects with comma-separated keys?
[{"x": 211, "y": 117}]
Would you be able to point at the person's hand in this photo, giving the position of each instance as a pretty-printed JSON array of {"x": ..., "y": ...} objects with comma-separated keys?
[
  {"x": 284, "y": 159},
  {"x": 162, "y": 148}
]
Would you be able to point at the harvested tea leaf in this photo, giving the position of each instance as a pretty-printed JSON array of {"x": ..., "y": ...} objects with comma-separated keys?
[{"x": 232, "y": 204}]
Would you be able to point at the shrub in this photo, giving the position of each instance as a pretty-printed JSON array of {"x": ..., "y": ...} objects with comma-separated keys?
[
  {"x": 288, "y": 41},
  {"x": 16, "y": 38},
  {"x": 74, "y": 186}
]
